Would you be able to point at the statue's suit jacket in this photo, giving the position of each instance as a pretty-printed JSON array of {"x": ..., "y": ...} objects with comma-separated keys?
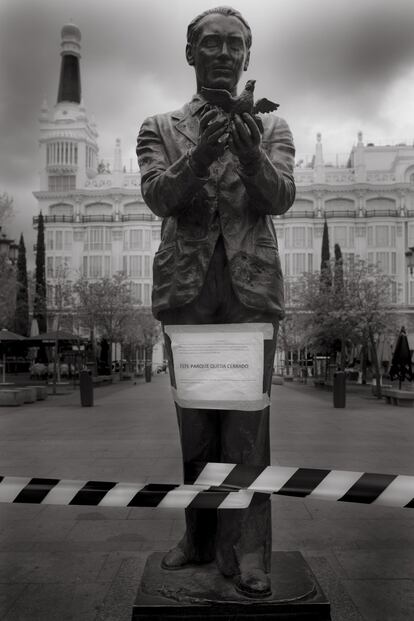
[{"x": 230, "y": 202}]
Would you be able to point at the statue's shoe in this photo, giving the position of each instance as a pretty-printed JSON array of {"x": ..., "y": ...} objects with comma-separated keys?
[
  {"x": 254, "y": 583},
  {"x": 175, "y": 559}
]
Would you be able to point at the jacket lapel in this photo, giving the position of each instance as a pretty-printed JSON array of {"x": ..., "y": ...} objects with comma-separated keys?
[{"x": 187, "y": 125}]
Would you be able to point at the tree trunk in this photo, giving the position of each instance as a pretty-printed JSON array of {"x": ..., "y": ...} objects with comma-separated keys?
[
  {"x": 54, "y": 366},
  {"x": 376, "y": 364},
  {"x": 364, "y": 364},
  {"x": 343, "y": 354}
]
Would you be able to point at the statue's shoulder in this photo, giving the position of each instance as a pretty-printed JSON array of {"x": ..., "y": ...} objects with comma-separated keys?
[
  {"x": 272, "y": 122},
  {"x": 166, "y": 118},
  {"x": 274, "y": 127}
]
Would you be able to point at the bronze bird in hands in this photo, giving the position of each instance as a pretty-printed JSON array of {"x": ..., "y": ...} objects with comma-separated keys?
[{"x": 242, "y": 103}]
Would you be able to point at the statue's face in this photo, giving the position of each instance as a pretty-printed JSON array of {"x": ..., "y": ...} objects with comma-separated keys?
[{"x": 219, "y": 54}]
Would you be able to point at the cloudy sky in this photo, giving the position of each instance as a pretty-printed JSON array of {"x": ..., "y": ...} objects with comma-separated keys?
[{"x": 335, "y": 67}]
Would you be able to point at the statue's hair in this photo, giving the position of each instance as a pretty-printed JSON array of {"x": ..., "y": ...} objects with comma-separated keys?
[{"x": 193, "y": 27}]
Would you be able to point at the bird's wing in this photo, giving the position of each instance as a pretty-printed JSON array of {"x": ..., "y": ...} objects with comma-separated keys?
[
  {"x": 264, "y": 105},
  {"x": 218, "y": 97}
]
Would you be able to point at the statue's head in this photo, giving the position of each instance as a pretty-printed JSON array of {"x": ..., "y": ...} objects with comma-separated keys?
[{"x": 218, "y": 47}]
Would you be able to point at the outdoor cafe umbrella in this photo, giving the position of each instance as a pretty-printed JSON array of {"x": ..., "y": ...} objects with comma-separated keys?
[
  {"x": 7, "y": 337},
  {"x": 401, "y": 366}
]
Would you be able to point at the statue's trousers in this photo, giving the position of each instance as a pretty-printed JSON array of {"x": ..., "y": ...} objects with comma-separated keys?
[{"x": 231, "y": 436}]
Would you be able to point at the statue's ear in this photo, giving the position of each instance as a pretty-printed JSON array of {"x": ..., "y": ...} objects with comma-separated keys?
[
  {"x": 189, "y": 54},
  {"x": 246, "y": 62}
]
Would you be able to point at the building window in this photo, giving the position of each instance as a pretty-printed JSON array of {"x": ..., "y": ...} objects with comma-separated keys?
[
  {"x": 68, "y": 240},
  {"x": 147, "y": 295},
  {"x": 59, "y": 240},
  {"x": 49, "y": 240},
  {"x": 95, "y": 267},
  {"x": 135, "y": 266},
  {"x": 107, "y": 266},
  {"x": 147, "y": 266},
  {"x": 136, "y": 291},
  {"x": 370, "y": 236},
  {"x": 97, "y": 236},
  {"x": 85, "y": 267},
  {"x": 287, "y": 264},
  {"x": 156, "y": 234},
  {"x": 381, "y": 235},
  {"x": 393, "y": 262},
  {"x": 393, "y": 292},
  {"x": 340, "y": 236},
  {"x": 49, "y": 295},
  {"x": 135, "y": 239},
  {"x": 351, "y": 240},
  {"x": 288, "y": 289},
  {"x": 299, "y": 266},
  {"x": 49, "y": 267},
  {"x": 125, "y": 264},
  {"x": 383, "y": 262},
  {"x": 147, "y": 245},
  {"x": 310, "y": 262},
  {"x": 287, "y": 238},
  {"x": 298, "y": 237},
  {"x": 58, "y": 267},
  {"x": 61, "y": 183}
]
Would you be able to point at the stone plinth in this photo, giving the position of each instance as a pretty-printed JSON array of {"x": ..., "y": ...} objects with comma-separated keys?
[{"x": 200, "y": 592}]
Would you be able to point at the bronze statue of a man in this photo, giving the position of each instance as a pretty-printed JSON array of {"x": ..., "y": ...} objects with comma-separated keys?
[{"x": 216, "y": 187}]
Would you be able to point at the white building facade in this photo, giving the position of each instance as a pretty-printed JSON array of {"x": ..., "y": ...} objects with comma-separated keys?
[{"x": 96, "y": 223}]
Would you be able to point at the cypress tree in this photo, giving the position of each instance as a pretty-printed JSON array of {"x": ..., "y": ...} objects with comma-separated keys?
[
  {"x": 326, "y": 274},
  {"x": 39, "y": 307},
  {"x": 339, "y": 269},
  {"x": 21, "y": 322}
]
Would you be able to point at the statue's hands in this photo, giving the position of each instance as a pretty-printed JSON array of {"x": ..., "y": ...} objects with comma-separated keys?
[
  {"x": 245, "y": 140},
  {"x": 211, "y": 140}
]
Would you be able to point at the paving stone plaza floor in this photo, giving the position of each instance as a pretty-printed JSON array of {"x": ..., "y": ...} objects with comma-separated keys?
[{"x": 85, "y": 563}]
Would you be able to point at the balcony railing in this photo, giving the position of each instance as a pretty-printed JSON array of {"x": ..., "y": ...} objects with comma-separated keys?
[
  {"x": 375, "y": 213},
  {"x": 55, "y": 218},
  {"x": 138, "y": 216},
  {"x": 131, "y": 217},
  {"x": 298, "y": 214},
  {"x": 98, "y": 218},
  {"x": 341, "y": 213}
]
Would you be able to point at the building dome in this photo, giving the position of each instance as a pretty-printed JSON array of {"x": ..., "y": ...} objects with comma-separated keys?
[{"x": 71, "y": 31}]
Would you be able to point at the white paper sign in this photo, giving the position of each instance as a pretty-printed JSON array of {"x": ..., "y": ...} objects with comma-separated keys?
[{"x": 218, "y": 366}]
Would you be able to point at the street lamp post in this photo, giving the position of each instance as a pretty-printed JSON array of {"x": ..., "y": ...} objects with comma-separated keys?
[
  {"x": 8, "y": 248},
  {"x": 409, "y": 255}
]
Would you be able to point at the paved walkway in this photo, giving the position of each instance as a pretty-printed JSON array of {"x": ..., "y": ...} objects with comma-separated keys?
[{"x": 84, "y": 563}]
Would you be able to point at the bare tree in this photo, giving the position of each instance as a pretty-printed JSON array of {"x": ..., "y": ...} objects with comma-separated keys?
[
  {"x": 358, "y": 312},
  {"x": 7, "y": 293},
  {"x": 6, "y": 207},
  {"x": 104, "y": 306}
]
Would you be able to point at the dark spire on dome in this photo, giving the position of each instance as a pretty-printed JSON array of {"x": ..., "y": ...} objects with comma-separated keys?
[{"x": 69, "y": 82}]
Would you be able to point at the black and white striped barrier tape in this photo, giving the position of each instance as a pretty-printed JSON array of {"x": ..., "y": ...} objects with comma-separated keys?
[
  {"x": 217, "y": 486},
  {"x": 110, "y": 494},
  {"x": 363, "y": 487}
]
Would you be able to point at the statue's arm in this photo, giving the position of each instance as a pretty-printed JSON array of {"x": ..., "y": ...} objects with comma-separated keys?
[
  {"x": 166, "y": 188},
  {"x": 269, "y": 181}
]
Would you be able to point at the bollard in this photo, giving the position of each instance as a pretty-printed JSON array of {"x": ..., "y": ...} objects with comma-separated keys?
[
  {"x": 339, "y": 390},
  {"x": 86, "y": 388}
]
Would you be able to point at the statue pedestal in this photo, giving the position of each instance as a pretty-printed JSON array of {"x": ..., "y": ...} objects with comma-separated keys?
[{"x": 200, "y": 592}]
